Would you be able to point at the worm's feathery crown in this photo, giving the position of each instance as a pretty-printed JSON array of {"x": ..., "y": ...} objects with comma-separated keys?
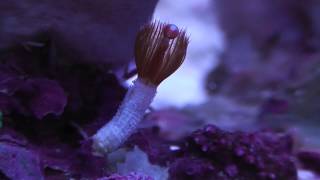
[{"x": 159, "y": 52}]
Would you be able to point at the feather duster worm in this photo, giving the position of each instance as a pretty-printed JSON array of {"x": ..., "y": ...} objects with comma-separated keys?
[{"x": 160, "y": 49}]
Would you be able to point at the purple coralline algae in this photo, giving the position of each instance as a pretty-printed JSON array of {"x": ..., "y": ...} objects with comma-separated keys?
[{"x": 57, "y": 87}]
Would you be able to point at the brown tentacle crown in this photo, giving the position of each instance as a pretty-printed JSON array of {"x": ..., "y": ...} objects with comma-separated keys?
[{"x": 160, "y": 49}]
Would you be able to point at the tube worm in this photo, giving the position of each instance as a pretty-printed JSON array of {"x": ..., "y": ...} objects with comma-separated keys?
[{"x": 160, "y": 49}]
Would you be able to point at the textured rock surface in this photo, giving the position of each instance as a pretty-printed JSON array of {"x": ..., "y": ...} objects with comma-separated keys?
[
  {"x": 212, "y": 153},
  {"x": 56, "y": 88}
]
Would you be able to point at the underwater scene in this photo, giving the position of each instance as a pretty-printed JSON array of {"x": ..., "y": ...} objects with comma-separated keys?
[{"x": 159, "y": 90}]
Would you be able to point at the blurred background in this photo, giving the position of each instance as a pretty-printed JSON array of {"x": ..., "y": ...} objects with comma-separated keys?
[
  {"x": 249, "y": 64},
  {"x": 261, "y": 56}
]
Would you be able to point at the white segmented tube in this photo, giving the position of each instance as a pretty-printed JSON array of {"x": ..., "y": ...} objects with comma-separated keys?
[{"x": 125, "y": 122}]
